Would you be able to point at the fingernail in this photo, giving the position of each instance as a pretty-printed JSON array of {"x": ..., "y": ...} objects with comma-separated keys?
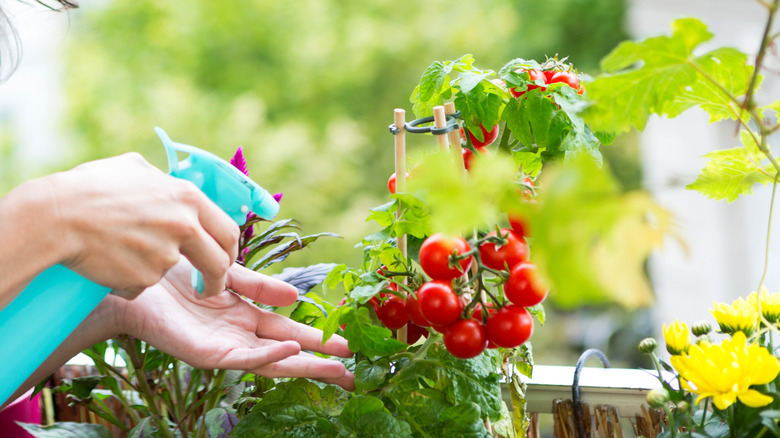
[{"x": 196, "y": 280}]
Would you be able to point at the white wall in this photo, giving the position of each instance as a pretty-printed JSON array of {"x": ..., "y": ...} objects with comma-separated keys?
[
  {"x": 726, "y": 241},
  {"x": 31, "y": 100}
]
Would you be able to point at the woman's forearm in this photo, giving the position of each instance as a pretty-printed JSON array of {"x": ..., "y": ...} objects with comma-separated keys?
[{"x": 30, "y": 240}]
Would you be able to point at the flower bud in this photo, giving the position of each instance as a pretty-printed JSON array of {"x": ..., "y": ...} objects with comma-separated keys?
[
  {"x": 701, "y": 328},
  {"x": 682, "y": 406},
  {"x": 657, "y": 398},
  {"x": 648, "y": 345}
]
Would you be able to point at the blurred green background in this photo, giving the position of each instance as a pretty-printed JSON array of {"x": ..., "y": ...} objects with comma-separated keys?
[{"x": 308, "y": 89}]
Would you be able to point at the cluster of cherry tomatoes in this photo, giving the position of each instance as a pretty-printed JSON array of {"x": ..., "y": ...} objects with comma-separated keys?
[
  {"x": 548, "y": 77},
  {"x": 455, "y": 302}
]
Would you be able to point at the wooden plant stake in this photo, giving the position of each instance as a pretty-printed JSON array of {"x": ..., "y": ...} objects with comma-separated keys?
[
  {"x": 439, "y": 122},
  {"x": 455, "y": 150},
  {"x": 400, "y": 186}
]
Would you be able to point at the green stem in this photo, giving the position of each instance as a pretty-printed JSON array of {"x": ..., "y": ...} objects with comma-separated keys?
[
  {"x": 146, "y": 391},
  {"x": 765, "y": 40},
  {"x": 704, "y": 413}
]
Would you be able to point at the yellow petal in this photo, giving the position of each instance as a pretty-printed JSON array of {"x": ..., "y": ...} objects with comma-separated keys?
[
  {"x": 723, "y": 401},
  {"x": 754, "y": 399}
]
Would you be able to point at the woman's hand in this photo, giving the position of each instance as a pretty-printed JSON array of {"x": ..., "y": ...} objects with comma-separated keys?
[
  {"x": 124, "y": 223},
  {"x": 227, "y": 331}
]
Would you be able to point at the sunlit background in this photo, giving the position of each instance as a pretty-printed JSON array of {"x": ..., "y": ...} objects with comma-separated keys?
[{"x": 308, "y": 89}]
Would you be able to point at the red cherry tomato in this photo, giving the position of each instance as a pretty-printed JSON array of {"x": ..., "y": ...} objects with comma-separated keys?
[
  {"x": 468, "y": 155},
  {"x": 391, "y": 182},
  {"x": 524, "y": 287},
  {"x": 506, "y": 256},
  {"x": 441, "y": 328},
  {"x": 566, "y": 77},
  {"x": 392, "y": 313},
  {"x": 510, "y": 326},
  {"x": 477, "y": 313},
  {"x": 519, "y": 225},
  {"x": 413, "y": 310},
  {"x": 414, "y": 332},
  {"x": 439, "y": 305},
  {"x": 534, "y": 75},
  {"x": 548, "y": 74},
  {"x": 488, "y": 137},
  {"x": 435, "y": 256},
  {"x": 466, "y": 338}
]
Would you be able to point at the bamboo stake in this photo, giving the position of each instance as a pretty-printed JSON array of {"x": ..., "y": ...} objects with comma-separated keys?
[
  {"x": 457, "y": 154},
  {"x": 440, "y": 121},
  {"x": 399, "y": 117}
]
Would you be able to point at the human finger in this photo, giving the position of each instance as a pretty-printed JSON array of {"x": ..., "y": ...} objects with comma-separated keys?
[
  {"x": 215, "y": 222},
  {"x": 253, "y": 358},
  {"x": 274, "y": 326},
  {"x": 209, "y": 258},
  {"x": 260, "y": 287},
  {"x": 309, "y": 366}
]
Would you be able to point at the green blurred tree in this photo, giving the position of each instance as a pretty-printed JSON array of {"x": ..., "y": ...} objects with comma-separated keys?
[{"x": 307, "y": 87}]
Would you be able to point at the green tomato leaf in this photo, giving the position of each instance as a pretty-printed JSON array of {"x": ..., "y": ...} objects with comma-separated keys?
[
  {"x": 430, "y": 415},
  {"x": 370, "y": 376},
  {"x": 435, "y": 84},
  {"x": 535, "y": 121},
  {"x": 335, "y": 319},
  {"x": 733, "y": 172},
  {"x": 296, "y": 408},
  {"x": 367, "y": 416},
  {"x": 661, "y": 75},
  {"x": 367, "y": 338}
]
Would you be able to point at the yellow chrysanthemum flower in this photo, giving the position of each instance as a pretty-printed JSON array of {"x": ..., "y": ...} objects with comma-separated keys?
[
  {"x": 740, "y": 316},
  {"x": 726, "y": 372},
  {"x": 770, "y": 304},
  {"x": 676, "y": 337}
]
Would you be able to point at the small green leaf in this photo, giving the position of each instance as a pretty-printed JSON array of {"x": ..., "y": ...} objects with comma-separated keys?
[
  {"x": 367, "y": 338},
  {"x": 731, "y": 173}
]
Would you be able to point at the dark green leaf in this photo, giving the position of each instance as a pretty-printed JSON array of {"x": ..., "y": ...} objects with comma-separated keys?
[
  {"x": 370, "y": 376},
  {"x": 367, "y": 416}
]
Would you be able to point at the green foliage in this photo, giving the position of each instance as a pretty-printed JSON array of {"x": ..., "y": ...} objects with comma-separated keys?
[
  {"x": 608, "y": 236},
  {"x": 304, "y": 87},
  {"x": 669, "y": 79},
  {"x": 731, "y": 173}
]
